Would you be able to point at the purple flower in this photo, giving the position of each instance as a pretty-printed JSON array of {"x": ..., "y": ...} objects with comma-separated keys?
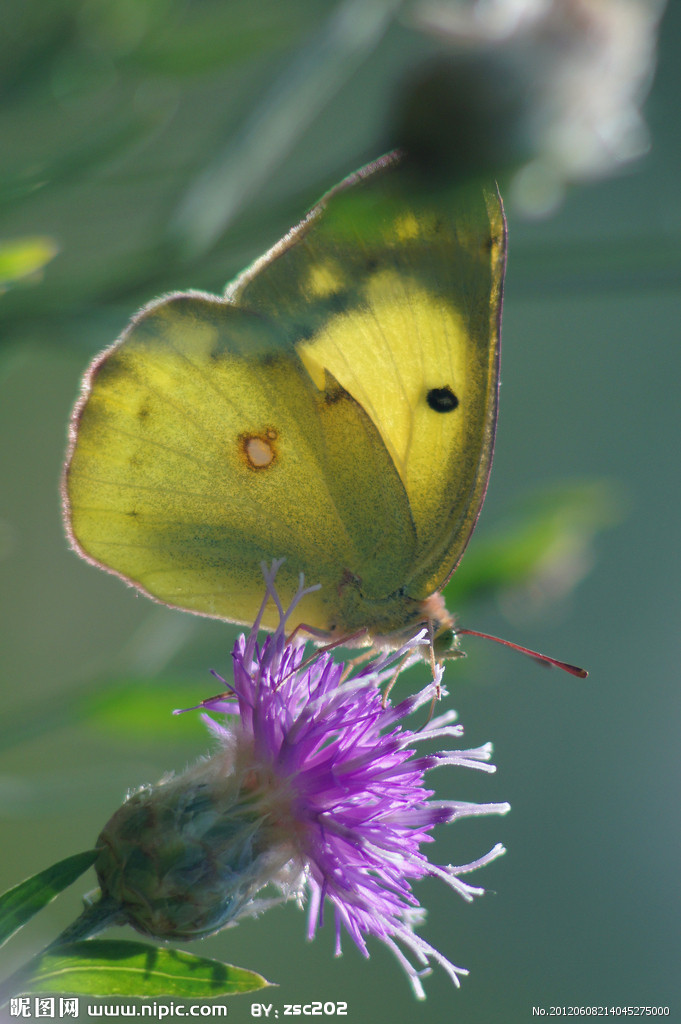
[{"x": 334, "y": 779}]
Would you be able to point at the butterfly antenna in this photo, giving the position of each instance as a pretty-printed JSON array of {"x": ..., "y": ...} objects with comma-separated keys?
[{"x": 566, "y": 667}]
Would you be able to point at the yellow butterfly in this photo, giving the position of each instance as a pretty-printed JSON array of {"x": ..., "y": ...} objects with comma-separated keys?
[{"x": 335, "y": 408}]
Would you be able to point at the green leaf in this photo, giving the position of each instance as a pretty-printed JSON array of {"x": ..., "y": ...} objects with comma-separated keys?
[
  {"x": 108, "y": 967},
  {"x": 24, "y": 257},
  {"x": 544, "y": 547},
  {"x": 18, "y": 905}
]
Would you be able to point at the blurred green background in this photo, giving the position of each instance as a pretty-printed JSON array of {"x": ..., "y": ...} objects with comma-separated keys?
[{"x": 127, "y": 131}]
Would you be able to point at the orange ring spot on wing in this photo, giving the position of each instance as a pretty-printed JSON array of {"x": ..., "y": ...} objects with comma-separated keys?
[{"x": 259, "y": 451}]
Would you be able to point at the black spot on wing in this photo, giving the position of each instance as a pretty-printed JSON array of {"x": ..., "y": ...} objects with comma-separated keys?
[{"x": 442, "y": 399}]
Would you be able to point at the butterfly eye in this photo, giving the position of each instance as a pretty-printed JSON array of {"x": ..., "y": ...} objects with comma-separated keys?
[{"x": 442, "y": 399}]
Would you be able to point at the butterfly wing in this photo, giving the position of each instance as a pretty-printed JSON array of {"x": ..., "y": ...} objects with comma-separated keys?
[
  {"x": 336, "y": 409},
  {"x": 398, "y": 295},
  {"x": 200, "y": 449}
]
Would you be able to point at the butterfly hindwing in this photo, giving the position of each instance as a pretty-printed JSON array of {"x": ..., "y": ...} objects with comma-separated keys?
[{"x": 200, "y": 450}]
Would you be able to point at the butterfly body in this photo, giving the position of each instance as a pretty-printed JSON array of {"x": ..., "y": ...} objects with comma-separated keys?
[{"x": 335, "y": 408}]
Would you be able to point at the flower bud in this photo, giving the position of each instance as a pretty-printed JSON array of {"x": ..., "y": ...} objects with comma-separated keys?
[{"x": 183, "y": 858}]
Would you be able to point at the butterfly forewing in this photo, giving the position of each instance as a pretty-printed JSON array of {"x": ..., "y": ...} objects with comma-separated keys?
[{"x": 398, "y": 295}]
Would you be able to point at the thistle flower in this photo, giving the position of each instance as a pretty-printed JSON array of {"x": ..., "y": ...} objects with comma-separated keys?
[{"x": 315, "y": 790}]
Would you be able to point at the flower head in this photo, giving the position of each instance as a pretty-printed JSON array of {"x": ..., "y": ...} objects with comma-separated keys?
[{"x": 317, "y": 789}]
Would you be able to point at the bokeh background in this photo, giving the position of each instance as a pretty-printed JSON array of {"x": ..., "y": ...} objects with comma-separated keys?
[{"x": 165, "y": 144}]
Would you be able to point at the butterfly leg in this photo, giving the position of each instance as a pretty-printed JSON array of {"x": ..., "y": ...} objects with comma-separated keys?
[
  {"x": 431, "y": 651},
  {"x": 393, "y": 679},
  {"x": 319, "y": 634},
  {"x": 326, "y": 647},
  {"x": 354, "y": 662}
]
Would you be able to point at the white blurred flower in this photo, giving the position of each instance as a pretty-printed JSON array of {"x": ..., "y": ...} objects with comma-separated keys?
[{"x": 584, "y": 68}]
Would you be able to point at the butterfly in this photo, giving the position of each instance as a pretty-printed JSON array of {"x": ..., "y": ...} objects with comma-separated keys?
[{"x": 335, "y": 408}]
